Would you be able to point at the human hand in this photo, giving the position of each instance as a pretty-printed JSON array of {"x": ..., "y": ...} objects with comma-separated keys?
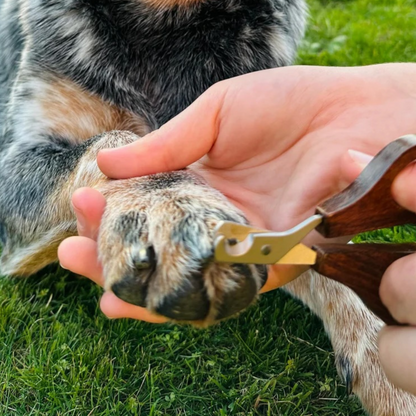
[
  {"x": 275, "y": 142},
  {"x": 397, "y": 345}
]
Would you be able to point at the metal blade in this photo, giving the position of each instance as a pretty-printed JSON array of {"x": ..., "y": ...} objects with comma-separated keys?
[
  {"x": 240, "y": 245},
  {"x": 300, "y": 254}
]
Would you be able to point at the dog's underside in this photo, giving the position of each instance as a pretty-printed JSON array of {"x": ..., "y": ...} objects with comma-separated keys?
[{"x": 77, "y": 76}]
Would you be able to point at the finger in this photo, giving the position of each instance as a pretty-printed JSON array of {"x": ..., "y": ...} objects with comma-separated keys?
[
  {"x": 89, "y": 207},
  {"x": 398, "y": 289},
  {"x": 403, "y": 189},
  {"x": 397, "y": 346},
  {"x": 115, "y": 308},
  {"x": 352, "y": 164},
  {"x": 79, "y": 254},
  {"x": 177, "y": 144}
]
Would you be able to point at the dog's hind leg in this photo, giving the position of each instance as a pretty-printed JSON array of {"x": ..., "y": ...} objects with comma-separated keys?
[{"x": 353, "y": 331}]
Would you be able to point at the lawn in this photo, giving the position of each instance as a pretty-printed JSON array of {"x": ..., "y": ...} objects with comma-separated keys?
[{"x": 61, "y": 356}]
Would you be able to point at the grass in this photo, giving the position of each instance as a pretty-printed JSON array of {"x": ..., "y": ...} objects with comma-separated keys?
[{"x": 60, "y": 356}]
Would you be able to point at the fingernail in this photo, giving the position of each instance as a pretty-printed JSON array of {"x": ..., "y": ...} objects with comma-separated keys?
[
  {"x": 63, "y": 267},
  {"x": 362, "y": 159},
  {"x": 80, "y": 217}
]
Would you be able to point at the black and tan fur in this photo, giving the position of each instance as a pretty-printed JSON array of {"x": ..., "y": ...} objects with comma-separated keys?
[{"x": 77, "y": 76}]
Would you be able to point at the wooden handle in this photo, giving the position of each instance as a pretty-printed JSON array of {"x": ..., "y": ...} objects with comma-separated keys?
[
  {"x": 361, "y": 267},
  {"x": 367, "y": 203}
]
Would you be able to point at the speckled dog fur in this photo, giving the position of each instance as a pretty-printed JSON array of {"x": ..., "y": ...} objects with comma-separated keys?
[{"x": 77, "y": 76}]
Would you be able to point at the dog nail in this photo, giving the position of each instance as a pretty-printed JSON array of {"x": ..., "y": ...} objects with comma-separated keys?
[{"x": 144, "y": 258}]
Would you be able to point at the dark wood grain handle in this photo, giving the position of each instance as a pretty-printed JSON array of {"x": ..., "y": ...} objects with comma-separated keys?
[
  {"x": 367, "y": 204},
  {"x": 361, "y": 267}
]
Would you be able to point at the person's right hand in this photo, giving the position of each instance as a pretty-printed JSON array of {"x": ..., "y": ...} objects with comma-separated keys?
[
  {"x": 274, "y": 142},
  {"x": 397, "y": 345}
]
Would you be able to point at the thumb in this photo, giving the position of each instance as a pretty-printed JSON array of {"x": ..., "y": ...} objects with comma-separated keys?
[
  {"x": 403, "y": 189},
  {"x": 177, "y": 144},
  {"x": 403, "y": 186}
]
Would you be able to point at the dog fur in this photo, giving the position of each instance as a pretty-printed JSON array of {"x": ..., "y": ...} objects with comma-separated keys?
[{"x": 77, "y": 76}]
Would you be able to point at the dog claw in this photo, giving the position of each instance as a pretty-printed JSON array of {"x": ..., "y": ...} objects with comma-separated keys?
[
  {"x": 145, "y": 258},
  {"x": 346, "y": 373}
]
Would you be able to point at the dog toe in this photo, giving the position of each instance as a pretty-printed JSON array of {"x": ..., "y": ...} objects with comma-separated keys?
[
  {"x": 132, "y": 289},
  {"x": 238, "y": 298},
  {"x": 189, "y": 302}
]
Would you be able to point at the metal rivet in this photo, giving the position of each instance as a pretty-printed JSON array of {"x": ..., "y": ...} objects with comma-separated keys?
[{"x": 266, "y": 250}]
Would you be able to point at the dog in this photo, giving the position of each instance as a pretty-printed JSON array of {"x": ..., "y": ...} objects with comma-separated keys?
[{"x": 77, "y": 76}]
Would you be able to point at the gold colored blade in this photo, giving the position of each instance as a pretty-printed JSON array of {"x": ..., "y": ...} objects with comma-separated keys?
[
  {"x": 235, "y": 243},
  {"x": 300, "y": 254}
]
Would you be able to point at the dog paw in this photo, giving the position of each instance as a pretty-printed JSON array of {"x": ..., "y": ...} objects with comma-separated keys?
[{"x": 156, "y": 247}]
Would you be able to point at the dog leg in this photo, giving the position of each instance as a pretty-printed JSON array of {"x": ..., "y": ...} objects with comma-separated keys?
[
  {"x": 36, "y": 184},
  {"x": 353, "y": 331}
]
